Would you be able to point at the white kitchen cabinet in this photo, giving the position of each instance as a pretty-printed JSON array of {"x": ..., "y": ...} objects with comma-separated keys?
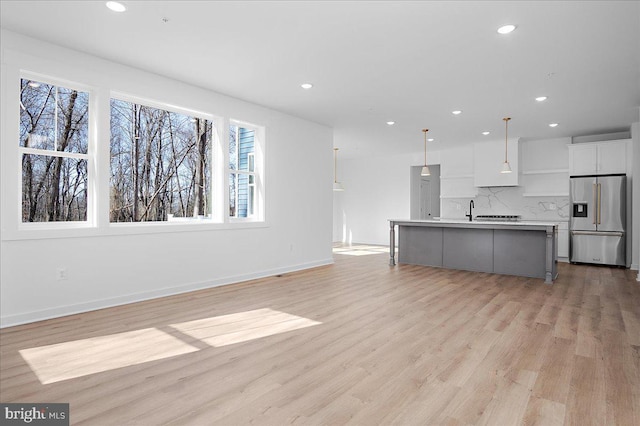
[
  {"x": 563, "y": 239},
  {"x": 612, "y": 157},
  {"x": 544, "y": 155},
  {"x": 456, "y": 174},
  {"x": 488, "y": 161},
  {"x": 583, "y": 159},
  {"x": 457, "y": 187},
  {"x": 598, "y": 158},
  {"x": 545, "y": 183},
  {"x": 544, "y": 166}
]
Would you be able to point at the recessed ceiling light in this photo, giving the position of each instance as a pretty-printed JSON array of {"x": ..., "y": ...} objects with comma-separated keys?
[
  {"x": 485, "y": 133},
  {"x": 306, "y": 86},
  {"x": 430, "y": 139},
  {"x": 456, "y": 112},
  {"x": 115, "y": 6},
  {"x": 541, "y": 98},
  {"x": 391, "y": 123},
  {"x": 553, "y": 125},
  {"x": 34, "y": 84},
  {"x": 506, "y": 29}
]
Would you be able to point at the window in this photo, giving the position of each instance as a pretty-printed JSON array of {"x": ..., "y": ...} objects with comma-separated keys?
[
  {"x": 242, "y": 172},
  {"x": 163, "y": 163},
  {"x": 160, "y": 164},
  {"x": 54, "y": 138}
]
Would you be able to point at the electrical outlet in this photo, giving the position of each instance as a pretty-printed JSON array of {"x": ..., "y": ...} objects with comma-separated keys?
[{"x": 61, "y": 274}]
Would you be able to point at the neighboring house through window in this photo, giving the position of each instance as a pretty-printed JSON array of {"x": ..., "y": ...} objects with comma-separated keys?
[{"x": 242, "y": 171}]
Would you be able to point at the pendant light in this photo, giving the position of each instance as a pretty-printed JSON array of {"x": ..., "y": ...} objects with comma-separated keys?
[
  {"x": 425, "y": 168},
  {"x": 506, "y": 168},
  {"x": 337, "y": 186}
]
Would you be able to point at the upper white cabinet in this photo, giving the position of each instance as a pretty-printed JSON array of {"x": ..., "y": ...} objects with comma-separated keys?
[
  {"x": 612, "y": 157},
  {"x": 544, "y": 155},
  {"x": 488, "y": 160},
  {"x": 583, "y": 159},
  {"x": 544, "y": 167},
  {"x": 598, "y": 158},
  {"x": 456, "y": 173}
]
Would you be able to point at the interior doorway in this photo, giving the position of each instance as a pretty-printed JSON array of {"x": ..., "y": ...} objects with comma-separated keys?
[
  {"x": 425, "y": 193},
  {"x": 425, "y": 197}
]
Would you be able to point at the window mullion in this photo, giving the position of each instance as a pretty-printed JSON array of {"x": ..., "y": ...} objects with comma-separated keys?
[
  {"x": 51, "y": 153},
  {"x": 100, "y": 151}
]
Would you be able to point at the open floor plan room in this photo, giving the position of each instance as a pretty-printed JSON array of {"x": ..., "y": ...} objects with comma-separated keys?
[{"x": 356, "y": 342}]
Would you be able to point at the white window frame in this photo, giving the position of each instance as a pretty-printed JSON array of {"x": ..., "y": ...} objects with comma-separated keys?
[
  {"x": 216, "y": 206},
  {"x": 101, "y": 87},
  {"x": 89, "y": 157},
  {"x": 251, "y": 160},
  {"x": 257, "y": 204}
]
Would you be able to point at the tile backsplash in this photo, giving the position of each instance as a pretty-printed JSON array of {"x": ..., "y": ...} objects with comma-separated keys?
[{"x": 508, "y": 201}]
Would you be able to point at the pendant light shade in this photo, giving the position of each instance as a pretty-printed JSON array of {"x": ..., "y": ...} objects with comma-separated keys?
[
  {"x": 425, "y": 169},
  {"x": 506, "y": 167},
  {"x": 337, "y": 186}
]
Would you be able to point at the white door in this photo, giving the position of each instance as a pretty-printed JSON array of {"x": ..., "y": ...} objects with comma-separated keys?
[{"x": 425, "y": 198}]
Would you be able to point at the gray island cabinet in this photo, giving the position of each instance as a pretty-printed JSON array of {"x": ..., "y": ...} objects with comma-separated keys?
[{"x": 527, "y": 249}]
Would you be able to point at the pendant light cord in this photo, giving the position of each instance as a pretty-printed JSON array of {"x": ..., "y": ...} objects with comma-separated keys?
[
  {"x": 425, "y": 145},
  {"x": 335, "y": 165},
  {"x": 506, "y": 132}
]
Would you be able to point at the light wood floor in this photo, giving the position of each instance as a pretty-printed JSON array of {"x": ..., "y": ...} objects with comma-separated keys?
[{"x": 356, "y": 342}]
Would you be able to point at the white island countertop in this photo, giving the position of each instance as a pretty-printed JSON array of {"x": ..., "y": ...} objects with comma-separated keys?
[{"x": 482, "y": 224}]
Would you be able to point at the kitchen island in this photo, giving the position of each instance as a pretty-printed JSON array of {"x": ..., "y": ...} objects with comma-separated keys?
[{"x": 527, "y": 249}]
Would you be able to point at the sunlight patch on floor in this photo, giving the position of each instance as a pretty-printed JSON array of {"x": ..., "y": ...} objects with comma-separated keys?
[
  {"x": 243, "y": 326},
  {"x": 68, "y": 360},
  {"x": 359, "y": 250},
  {"x": 79, "y": 358}
]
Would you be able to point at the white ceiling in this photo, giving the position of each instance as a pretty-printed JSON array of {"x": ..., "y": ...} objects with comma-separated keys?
[{"x": 375, "y": 61}]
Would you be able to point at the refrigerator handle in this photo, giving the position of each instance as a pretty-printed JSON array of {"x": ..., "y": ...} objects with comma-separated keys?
[
  {"x": 599, "y": 204},
  {"x": 595, "y": 203}
]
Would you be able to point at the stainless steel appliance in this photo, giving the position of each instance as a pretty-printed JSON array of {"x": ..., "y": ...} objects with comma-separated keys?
[{"x": 598, "y": 219}]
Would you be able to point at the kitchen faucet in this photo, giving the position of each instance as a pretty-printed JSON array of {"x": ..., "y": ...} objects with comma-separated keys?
[{"x": 471, "y": 206}]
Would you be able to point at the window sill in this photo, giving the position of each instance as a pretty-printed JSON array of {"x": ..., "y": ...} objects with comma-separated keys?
[{"x": 75, "y": 230}]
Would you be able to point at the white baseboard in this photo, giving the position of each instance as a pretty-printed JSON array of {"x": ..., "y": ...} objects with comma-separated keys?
[{"x": 61, "y": 311}]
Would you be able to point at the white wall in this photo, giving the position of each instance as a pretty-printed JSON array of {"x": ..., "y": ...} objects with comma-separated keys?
[
  {"x": 635, "y": 198},
  {"x": 107, "y": 268},
  {"x": 376, "y": 189}
]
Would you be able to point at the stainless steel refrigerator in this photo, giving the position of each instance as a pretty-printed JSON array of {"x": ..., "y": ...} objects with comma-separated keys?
[{"x": 598, "y": 220}]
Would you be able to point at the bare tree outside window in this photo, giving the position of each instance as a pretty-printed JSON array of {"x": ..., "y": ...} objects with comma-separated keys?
[
  {"x": 53, "y": 142},
  {"x": 160, "y": 164}
]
